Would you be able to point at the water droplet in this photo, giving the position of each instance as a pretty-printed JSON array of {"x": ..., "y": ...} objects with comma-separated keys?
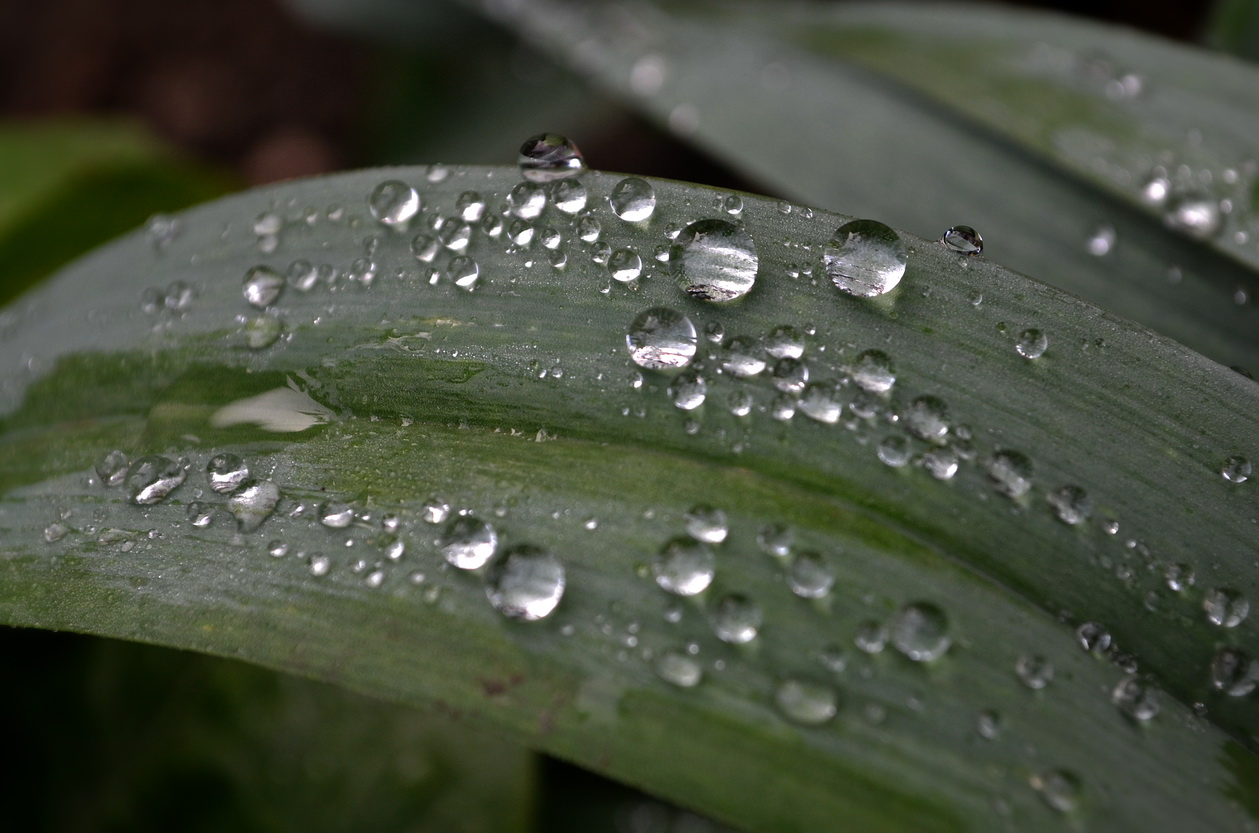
[
  {"x": 941, "y": 463},
  {"x": 455, "y": 236},
  {"x": 150, "y": 479},
  {"x": 704, "y": 523},
  {"x": 435, "y": 510},
  {"x": 988, "y": 724},
  {"x": 468, "y": 542},
  {"x": 569, "y": 196},
  {"x": 625, "y": 265},
  {"x": 679, "y": 669},
  {"x": 894, "y": 451},
  {"x": 548, "y": 157},
  {"x": 782, "y": 407},
  {"x": 464, "y": 272},
  {"x": 661, "y": 339},
  {"x": 790, "y": 375},
  {"x": 1179, "y": 577},
  {"x": 1136, "y": 698},
  {"x": 268, "y": 224},
  {"x": 833, "y": 659},
  {"x": 732, "y": 204},
  {"x": 319, "y": 565},
  {"x": 112, "y": 468},
  {"x": 225, "y": 472},
  {"x": 714, "y": 260},
  {"x": 199, "y": 514},
  {"x": 821, "y": 401},
  {"x": 302, "y": 275},
  {"x": 1236, "y": 470},
  {"x": 1093, "y": 638},
  {"x": 261, "y": 332},
  {"x": 277, "y": 549},
  {"x": 871, "y": 637},
  {"x": 54, "y": 532},
  {"x": 633, "y": 200},
  {"x": 588, "y": 229},
  {"x": 785, "y": 342},
  {"x": 810, "y": 576},
  {"x": 527, "y": 200},
  {"x": 1102, "y": 241},
  {"x": 1032, "y": 344},
  {"x": 963, "y": 240},
  {"x": 685, "y": 567},
  {"x": 806, "y": 703},
  {"x": 688, "y": 391},
  {"x": 865, "y": 258},
  {"x": 1059, "y": 788},
  {"x": 253, "y": 503},
  {"x": 873, "y": 371},
  {"x": 927, "y": 417},
  {"x": 742, "y": 357},
  {"x": 525, "y": 583},
  {"x": 1225, "y": 607},
  {"x": 262, "y": 286},
  {"x": 1194, "y": 215},
  {"x": 161, "y": 229},
  {"x": 394, "y": 203},
  {"x": 1233, "y": 672},
  {"x": 1071, "y": 504},
  {"x": 920, "y": 632},
  {"x": 775, "y": 540},
  {"x": 1034, "y": 671},
  {"x": 336, "y": 514},
  {"x": 736, "y": 619},
  {"x": 1156, "y": 190},
  {"x": 1011, "y": 473}
]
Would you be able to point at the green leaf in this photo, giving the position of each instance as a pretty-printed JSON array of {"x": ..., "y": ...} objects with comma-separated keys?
[{"x": 518, "y": 402}]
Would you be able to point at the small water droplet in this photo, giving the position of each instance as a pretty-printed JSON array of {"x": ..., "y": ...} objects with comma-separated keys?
[
  {"x": 262, "y": 286},
  {"x": 810, "y": 576},
  {"x": 782, "y": 407},
  {"x": 661, "y": 339},
  {"x": 1071, "y": 504},
  {"x": 112, "y": 468},
  {"x": 1234, "y": 672},
  {"x": 468, "y": 542},
  {"x": 714, "y": 260},
  {"x": 625, "y": 265},
  {"x": 920, "y": 632},
  {"x": 525, "y": 583},
  {"x": 963, "y": 240},
  {"x": 688, "y": 391},
  {"x": 927, "y": 417},
  {"x": 527, "y": 200},
  {"x": 785, "y": 342},
  {"x": 226, "y": 472},
  {"x": 548, "y": 157},
  {"x": 865, "y": 258},
  {"x": 988, "y": 724},
  {"x": 162, "y": 229},
  {"x": 732, "y": 204},
  {"x": 1093, "y": 638},
  {"x": 685, "y": 567},
  {"x": 736, "y": 619},
  {"x": 394, "y": 203},
  {"x": 775, "y": 540},
  {"x": 806, "y": 703},
  {"x": 261, "y": 332},
  {"x": 455, "y": 236},
  {"x": 871, "y": 637},
  {"x": 319, "y": 565},
  {"x": 821, "y": 401},
  {"x": 253, "y": 503},
  {"x": 1102, "y": 241},
  {"x": 569, "y": 196},
  {"x": 872, "y": 371},
  {"x": 894, "y": 451},
  {"x": 633, "y": 200},
  {"x": 464, "y": 272},
  {"x": 336, "y": 514},
  {"x": 679, "y": 669},
  {"x": 268, "y": 224},
  {"x": 150, "y": 479},
  {"x": 1225, "y": 607},
  {"x": 1179, "y": 576},
  {"x": 1136, "y": 698},
  {"x": 790, "y": 375},
  {"x": 742, "y": 357},
  {"x": 1010, "y": 473},
  {"x": 1195, "y": 215},
  {"x": 277, "y": 549},
  {"x": 833, "y": 659},
  {"x": 54, "y": 532},
  {"x": 704, "y": 523},
  {"x": 941, "y": 463},
  {"x": 1059, "y": 788},
  {"x": 1032, "y": 344},
  {"x": 1236, "y": 469},
  {"x": 1034, "y": 671},
  {"x": 435, "y": 510}
]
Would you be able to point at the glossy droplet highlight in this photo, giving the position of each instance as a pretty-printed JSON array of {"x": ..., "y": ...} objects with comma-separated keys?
[
  {"x": 704, "y": 523},
  {"x": 871, "y": 637},
  {"x": 806, "y": 703},
  {"x": 1234, "y": 672},
  {"x": 625, "y": 265},
  {"x": 527, "y": 200},
  {"x": 1236, "y": 469},
  {"x": 685, "y": 567},
  {"x": 714, "y": 260},
  {"x": 253, "y": 503},
  {"x": 150, "y": 480},
  {"x": 688, "y": 391},
  {"x": 548, "y": 157},
  {"x": 661, "y": 339},
  {"x": 810, "y": 576},
  {"x": 742, "y": 357},
  {"x": 569, "y": 196},
  {"x": 1225, "y": 607},
  {"x": 1010, "y": 473},
  {"x": 468, "y": 542},
  {"x": 226, "y": 472},
  {"x": 633, "y": 199},
  {"x": 963, "y": 240},
  {"x": 1034, "y": 671},
  {"x": 1093, "y": 638},
  {"x": 927, "y": 417},
  {"x": 112, "y": 468},
  {"x": 526, "y": 583},
  {"x": 262, "y": 286},
  {"x": 394, "y": 203},
  {"x": 865, "y": 258},
  {"x": 1136, "y": 698},
  {"x": 785, "y": 342},
  {"x": 464, "y": 272},
  {"x": 679, "y": 669},
  {"x": 821, "y": 401},
  {"x": 920, "y": 632},
  {"x": 1071, "y": 504},
  {"x": 872, "y": 371},
  {"x": 336, "y": 514},
  {"x": 1032, "y": 344},
  {"x": 736, "y": 619}
]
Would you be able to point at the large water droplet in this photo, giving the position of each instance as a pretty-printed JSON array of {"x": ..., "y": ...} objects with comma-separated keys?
[
  {"x": 927, "y": 417},
  {"x": 810, "y": 576},
  {"x": 806, "y": 703},
  {"x": 1011, "y": 473},
  {"x": 714, "y": 260},
  {"x": 632, "y": 199},
  {"x": 253, "y": 503},
  {"x": 394, "y": 203},
  {"x": 262, "y": 286},
  {"x": 685, "y": 567},
  {"x": 527, "y": 200},
  {"x": 1071, "y": 504},
  {"x": 920, "y": 632},
  {"x": 548, "y": 157},
  {"x": 963, "y": 240},
  {"x": 1225, "y": 607},
  {"x": 625, "y": 265},
  {"x": 525, "y": 583},
  {"x": 821, "y": 401},
  {"x": 226, "y": 472},
  {"x": 1059, "y": 788},
  {"x": 736, "y": 619},
  {"x": 873, "y": 371},
  {"x": 112, "y": 468},
  {"x": 150, "y": 479},
  {"x": 865, "y": 258},
  {"x": 1236, "y": 469},
  {"x": 1032, "y": 344},
  {"x": 661, "y": 339},
  {"x": 1234, "y": 672},
  {"x": 704, "y": 523},
  {"x": 1136, "y": 698},
  {"x": 1034, "y": 671},
  {"x": 468, "y": 542}
]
